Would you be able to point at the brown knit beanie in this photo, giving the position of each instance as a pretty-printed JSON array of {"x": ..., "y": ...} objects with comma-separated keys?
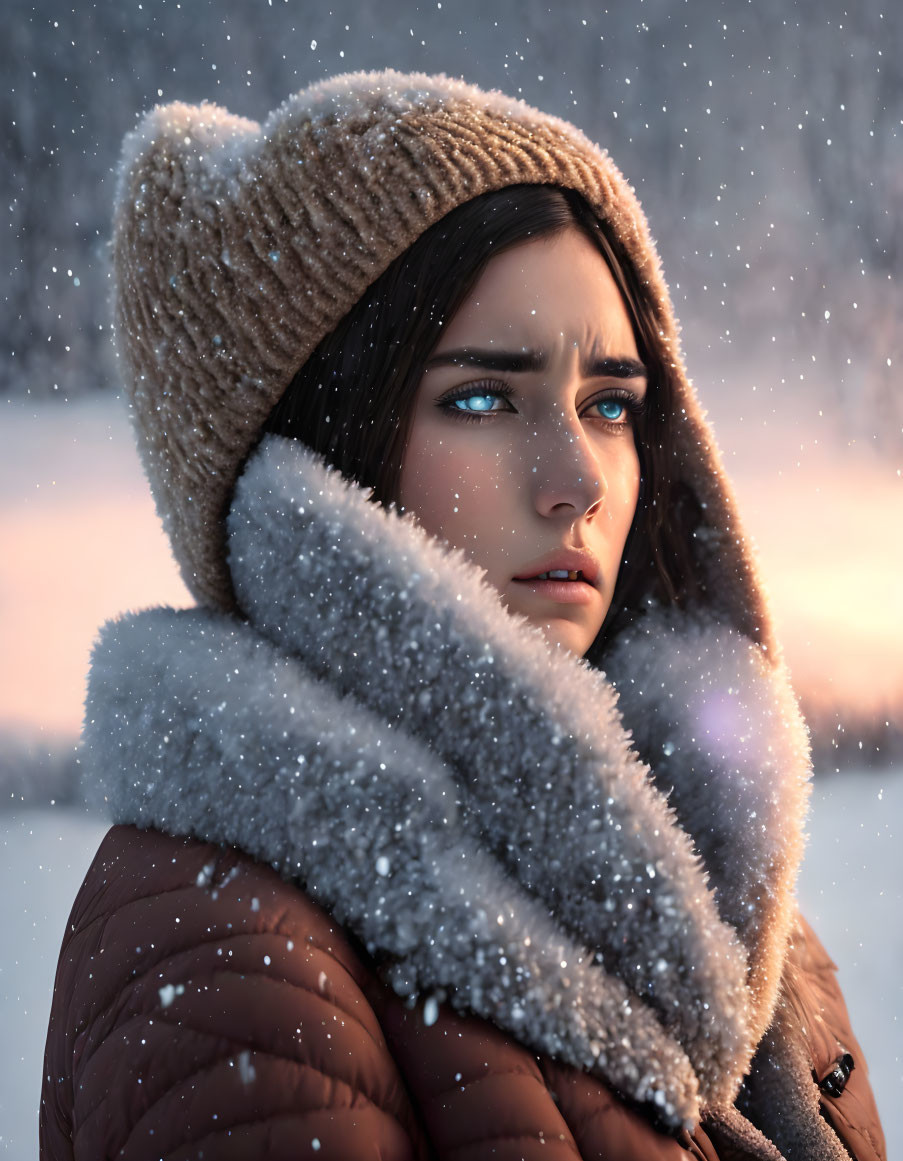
[{"x": 238, "y": 247}]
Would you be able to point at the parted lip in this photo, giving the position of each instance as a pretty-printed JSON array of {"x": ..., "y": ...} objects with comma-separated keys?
[{"x": 567, "y": 559}]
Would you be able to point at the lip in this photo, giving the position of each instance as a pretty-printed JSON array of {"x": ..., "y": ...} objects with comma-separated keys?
[
  {"x": 561, "y": 591},
  {"x": 567, "y": 560}
]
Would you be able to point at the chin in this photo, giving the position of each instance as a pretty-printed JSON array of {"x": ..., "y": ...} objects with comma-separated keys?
[
  {"x": 572, "y": 636},
  {"x": 566, "y": 635}
]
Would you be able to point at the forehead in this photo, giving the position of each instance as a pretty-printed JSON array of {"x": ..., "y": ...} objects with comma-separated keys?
[{"x": 547, "y": 293}]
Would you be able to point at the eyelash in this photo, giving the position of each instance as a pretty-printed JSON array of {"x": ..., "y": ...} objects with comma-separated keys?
[{"x": 634, "y": 406}]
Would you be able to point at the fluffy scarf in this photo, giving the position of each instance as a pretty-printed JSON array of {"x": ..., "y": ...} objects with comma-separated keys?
[{"x": 601, "y": 864}]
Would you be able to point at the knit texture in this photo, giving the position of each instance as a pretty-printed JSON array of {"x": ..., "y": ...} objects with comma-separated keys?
[{"x": 238, "y": 247}]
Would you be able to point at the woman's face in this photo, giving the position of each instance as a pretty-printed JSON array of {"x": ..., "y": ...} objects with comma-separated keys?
[{"x": 521, "y": 449}]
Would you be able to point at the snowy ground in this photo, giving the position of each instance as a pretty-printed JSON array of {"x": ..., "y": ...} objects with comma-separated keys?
[{"x": 852, "y": 890}]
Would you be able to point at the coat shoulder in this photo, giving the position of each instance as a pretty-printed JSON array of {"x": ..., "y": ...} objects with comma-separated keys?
[{"x": 202, "y": 1000}]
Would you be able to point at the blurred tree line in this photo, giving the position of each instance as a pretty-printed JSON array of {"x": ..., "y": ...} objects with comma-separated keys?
[{"x": 764, "y": 141}]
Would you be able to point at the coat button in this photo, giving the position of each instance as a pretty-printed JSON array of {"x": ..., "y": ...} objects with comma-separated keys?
[{"x": 836, "y": 1081}]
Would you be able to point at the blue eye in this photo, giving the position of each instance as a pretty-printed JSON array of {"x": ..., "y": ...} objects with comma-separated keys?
[
  {"x": 612, "y": 408},
  {"x": 475, "y": 403},
  {"x": 474, "y": 400}
]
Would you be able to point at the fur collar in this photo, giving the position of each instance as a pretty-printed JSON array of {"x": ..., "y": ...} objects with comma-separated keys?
[{"x": 603, "y": 865}]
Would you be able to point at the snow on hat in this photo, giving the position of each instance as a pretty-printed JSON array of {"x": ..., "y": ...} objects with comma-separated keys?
[{"x": 238, "y": 247}]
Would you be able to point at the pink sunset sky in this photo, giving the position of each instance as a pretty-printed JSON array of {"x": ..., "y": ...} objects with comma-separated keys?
[{"x": 81, "y": 543}]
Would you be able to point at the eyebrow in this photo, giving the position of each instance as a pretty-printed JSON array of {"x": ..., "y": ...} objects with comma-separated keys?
[{"x": 596, "y": 366}]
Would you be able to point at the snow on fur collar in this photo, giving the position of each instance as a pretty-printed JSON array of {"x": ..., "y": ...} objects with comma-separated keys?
[{"x": 471, "y": 803}]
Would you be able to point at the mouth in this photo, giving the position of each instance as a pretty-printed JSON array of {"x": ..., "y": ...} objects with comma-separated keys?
[
  {"x": 563, "y": 569},
  {"x": 556, "y": 574},
  {"x": 561, "y": 585}
]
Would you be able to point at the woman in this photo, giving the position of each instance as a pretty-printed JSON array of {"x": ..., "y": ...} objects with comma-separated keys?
[{"x": 391, "y": 876}]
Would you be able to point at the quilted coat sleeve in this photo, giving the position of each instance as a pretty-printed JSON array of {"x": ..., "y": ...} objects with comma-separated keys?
[
  {"x": 838, "y": 1063},
  {"x": 204, "y": 1007}
]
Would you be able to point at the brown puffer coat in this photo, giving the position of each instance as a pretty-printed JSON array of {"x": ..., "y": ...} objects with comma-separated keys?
[
  {"x": 558, "y": 906},
  {"x": 206, "y": 1008}
]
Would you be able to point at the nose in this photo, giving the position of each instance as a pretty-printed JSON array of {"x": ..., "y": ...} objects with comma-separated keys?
[{"x": 566, "y": 472}]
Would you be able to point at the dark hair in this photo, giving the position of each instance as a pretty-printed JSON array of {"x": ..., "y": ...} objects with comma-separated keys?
[{"x": 352, "y": 400}]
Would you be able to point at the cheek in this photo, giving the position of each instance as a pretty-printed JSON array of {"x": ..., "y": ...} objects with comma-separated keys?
[
  {"x": 624, "y": 489},
  {"x": 619, "y": 465},
  {"x": 455, "y": 493}
]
